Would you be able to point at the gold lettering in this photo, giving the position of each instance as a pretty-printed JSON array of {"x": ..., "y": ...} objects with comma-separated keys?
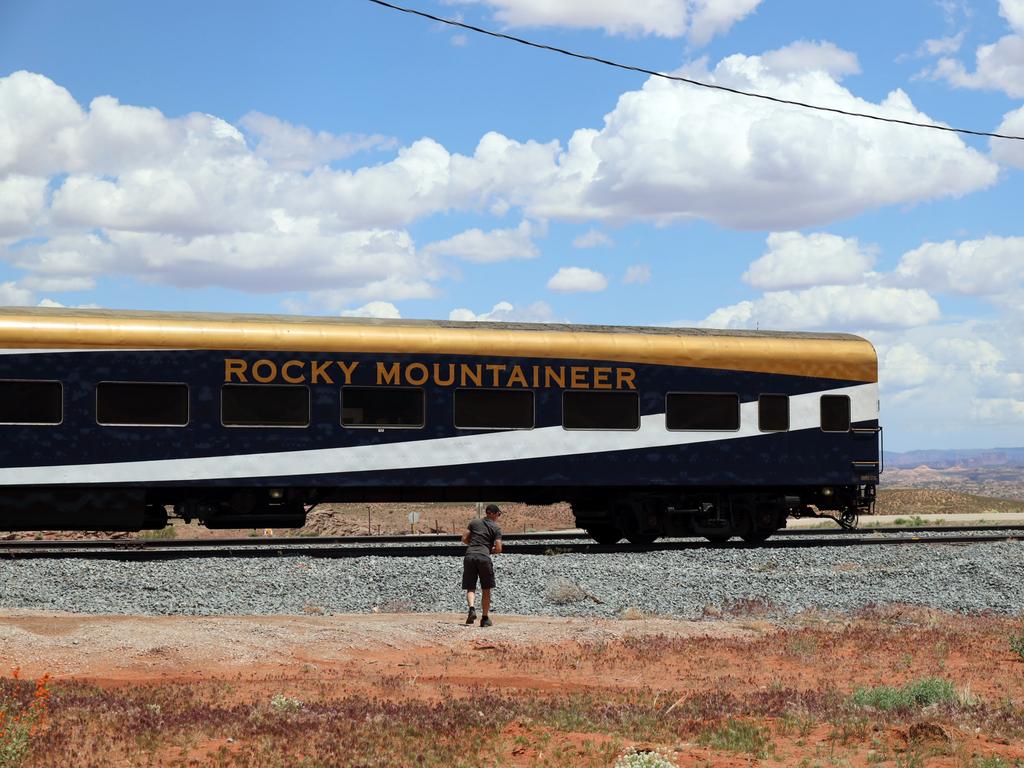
[
  {"x": 496, "y": 369},
  {"x": 269, "y": 366},
  {"x": 466, "y": 373},
  {"x": 550, "y": 375},
  {"x": 389, "y": 375},
  {"x": 444, "y": 382},
  {"x": 288, "y": 377},
  {"x": 416, "y": 380},
  {"x": 578, "y": 375},
  {"x": 346, "y": 370},
  {"x": 601, "y": 378},
  {"x": 516, "y": 377},
  {"x": 536, "y": 376},
  {"x": 624, "y": 378},
  {"x": 235, "y": 367},
  {"x": 320, "y": 372}
]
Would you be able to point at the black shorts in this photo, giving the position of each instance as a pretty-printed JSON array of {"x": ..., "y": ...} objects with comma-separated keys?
[{"x": 477, "y": 566}]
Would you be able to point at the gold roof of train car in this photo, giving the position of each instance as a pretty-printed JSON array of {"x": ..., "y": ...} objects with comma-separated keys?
[{"x": 821, "y": 355}]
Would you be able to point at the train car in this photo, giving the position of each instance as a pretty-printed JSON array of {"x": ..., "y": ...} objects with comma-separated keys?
[{"x": 109, "y": 419}]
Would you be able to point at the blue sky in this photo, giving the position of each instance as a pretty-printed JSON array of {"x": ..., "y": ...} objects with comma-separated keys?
[{"x": 342, "y": 158}]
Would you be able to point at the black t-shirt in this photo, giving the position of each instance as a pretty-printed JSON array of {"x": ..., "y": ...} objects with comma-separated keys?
[{"x": 482, "y": 535}]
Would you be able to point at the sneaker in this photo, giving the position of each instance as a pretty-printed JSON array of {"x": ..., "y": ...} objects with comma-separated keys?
[
  {"x": 485, "y": 621},
  {"x": 471, "y": 616}
]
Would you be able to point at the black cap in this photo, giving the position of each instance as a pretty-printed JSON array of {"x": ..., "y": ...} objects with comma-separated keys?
[{"x": 492, "y": 509}]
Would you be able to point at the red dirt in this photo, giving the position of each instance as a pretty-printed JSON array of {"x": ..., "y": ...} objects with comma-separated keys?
[{"x": 431, "y": 658}]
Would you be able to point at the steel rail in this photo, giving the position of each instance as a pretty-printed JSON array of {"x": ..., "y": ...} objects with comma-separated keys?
[
  {"x": 71, "y": 550},
  {"x": 254, "y": 541}
]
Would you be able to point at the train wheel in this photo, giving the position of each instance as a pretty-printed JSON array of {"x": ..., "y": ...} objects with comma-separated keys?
[
  {"x": 720, "y": 538},
  {"x": 757, "y": 537},
  {"x": 605, "y": 534}
]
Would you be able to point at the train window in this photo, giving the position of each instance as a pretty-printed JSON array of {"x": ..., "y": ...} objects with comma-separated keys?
[
  {"x": 31, "y": 402},
  {"x": 773, "y": 413},
  {"x": 141, "y": 404},
  {"x": 600, "y": 410},
  {"x": 382, "y": 407},
  {"x": 493, "y": 409},
  {"x": 835, "y": 413},
  {"x": 264, "y": 405},
  {"x": 703, "y": 411}
]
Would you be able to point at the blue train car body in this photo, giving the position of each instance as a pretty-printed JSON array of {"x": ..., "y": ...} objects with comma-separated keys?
[{"x": 107, "y": 419}]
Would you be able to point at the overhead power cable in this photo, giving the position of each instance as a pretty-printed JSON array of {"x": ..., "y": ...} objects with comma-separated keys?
[{"x": 678, "y": 79}]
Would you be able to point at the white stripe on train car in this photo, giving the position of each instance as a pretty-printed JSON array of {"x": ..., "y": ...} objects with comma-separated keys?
[{"x": 546, "y": 442}]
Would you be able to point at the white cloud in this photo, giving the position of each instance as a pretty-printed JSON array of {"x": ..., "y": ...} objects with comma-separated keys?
[
  {"x": 807, "y": 56},
  {"x": 1010, "y": 151},
  {"x": 637, "y": 274},
  {"x": 485, "y": 247},
  {"x": 961, "y": 379},
  {"x": 22, "y": 203},
  {"x": 36, "y": 118},
  {"x": 577, "y": 280},
  {"x": 592, "y": 238},
  {"x": 1013, "y": 12},
  {"x": 943, "y": 45},
  {"x": 185, "y": 201},
  {"x": 363, "y": 264},
  {"x": 938, "y": 46},
  {"x": 504, "y": 311},
  {"x": 57, "y": 305},
  {"x": 903, "y": 366},
  {"x": 716, "y": 17},
  {"x": 382, "y": 309},
  {"x": 700, "y": 20},
  {"x": 674, "y": 152},
  {"x": 999, "y": 65},
  {"x": 794, "y": 260},
  {"x": 297, "y": 148},
  {"x": 829, "y": 307},
  {"x": 14, "y": 295},
  {"x": 43, "y": 283},
  {"x": 1002, "y": 411},
  {"x": 990, "y": 266}
]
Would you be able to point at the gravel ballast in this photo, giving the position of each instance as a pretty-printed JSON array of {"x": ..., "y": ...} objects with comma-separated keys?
[{"x": 688, "y": 584}]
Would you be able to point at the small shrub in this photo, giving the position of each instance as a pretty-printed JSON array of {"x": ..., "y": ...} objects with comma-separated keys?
[
  {"x": 283, "y": 705},
  {"x": 748, "y": 607},
  {"x": 552, "y": 551},
  {"x": 849, "y": 728},
  {"x": 738, "y": 736},
  {"x": 914, "y": 521},
  {"x": 646, "y": 759},
  {"x": 910, "y": 760},
  {"x": 914, "y": 695},
  {"x": 1017, "y": 643},
  {"x": 632, "y": 613},
  {"x": 563, "y": 592},
  {"x": 796, "y": 721},
  {"x": 20, "y": 721},
  {"x": 993, "y": 761},
  {"x": 167, "y": 532}
]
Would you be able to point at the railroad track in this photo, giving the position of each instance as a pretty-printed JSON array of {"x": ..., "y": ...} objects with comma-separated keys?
[{"x": 448, "y": 545}]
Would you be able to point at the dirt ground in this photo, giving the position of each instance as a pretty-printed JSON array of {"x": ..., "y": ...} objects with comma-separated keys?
[{"x": 416, "y": 689}]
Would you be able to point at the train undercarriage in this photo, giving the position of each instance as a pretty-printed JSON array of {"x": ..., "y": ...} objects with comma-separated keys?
[
  {"x": 636, "y": 514},
  {"x": 718, "y": 515}
]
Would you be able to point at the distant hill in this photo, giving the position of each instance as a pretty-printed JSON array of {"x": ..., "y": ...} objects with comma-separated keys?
[{"x": 945, "y": 459}]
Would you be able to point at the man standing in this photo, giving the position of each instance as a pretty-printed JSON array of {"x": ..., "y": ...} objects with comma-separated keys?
[{"x": 483, "y": 538}]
